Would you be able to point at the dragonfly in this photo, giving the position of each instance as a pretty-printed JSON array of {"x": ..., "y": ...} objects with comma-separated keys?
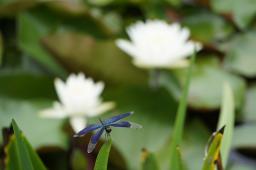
[{"x": 105, "y": 126}]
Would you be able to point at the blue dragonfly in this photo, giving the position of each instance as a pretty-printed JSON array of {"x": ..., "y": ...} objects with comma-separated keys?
[{"x": 105, "y": 125}]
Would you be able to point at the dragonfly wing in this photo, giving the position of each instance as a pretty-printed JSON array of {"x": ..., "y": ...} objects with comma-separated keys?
[
  {"x": 126, "y": 124},
  {"x": 94, "y": 140},
  {"x": 116, "y": 118},
  {"x": 88, "y": 129}
]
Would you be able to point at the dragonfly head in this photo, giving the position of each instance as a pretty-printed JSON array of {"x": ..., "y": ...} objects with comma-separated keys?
[{"x": 108, "y": 129}]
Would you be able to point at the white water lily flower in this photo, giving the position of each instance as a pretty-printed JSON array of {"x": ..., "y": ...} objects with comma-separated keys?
[
  {"x": 157, "y": 44},
  {"x": 79, "y": 98}
]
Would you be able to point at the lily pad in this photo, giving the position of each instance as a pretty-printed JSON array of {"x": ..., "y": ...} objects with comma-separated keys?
[
  {"x": 40, "y": 132},
  {"x": 244, "y": 136},
  {"x": 207, "y": 82},
  {"x": 207, "y": 27},
  {"x": 249, "y": 109},
  {"x": 242, "y": 12},
  {"x": 10, "y": 79},
  {"x": 242, "y": 167},
  {"x": 192, "y": 149},
  {"x": 98, "y": 58},
  {"x": 241, "y": 52},
  {"x": 154, "y": 110}
]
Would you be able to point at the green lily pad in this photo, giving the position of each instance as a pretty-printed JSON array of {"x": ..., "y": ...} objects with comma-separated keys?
[
  {"x": 244, "y": 136},
  {"x": 38, "y": 23},
  {"x": 242, "y": 12},
  {"x": 40, "y": 132},
  {"x": 249, "y": 110},
  {"x": 193, "y": 146},
  {"x": 99, "y": 58},
  {"x": 154, "y": 110},
  {"x": 192, "y": 149},
  {"x": 207, "y": 82},
  {"x": 242, "y": 167},
  {"x": 15, "y": 84},
  {"x": 207, "y": 27},
  {"x": 240, "y": 56}
]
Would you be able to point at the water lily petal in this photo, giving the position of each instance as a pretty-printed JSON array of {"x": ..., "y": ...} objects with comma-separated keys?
[
  {"x": 157, "y": 44},
  {"x": 57, "y": 111},
  {"x": 102, "y": 108},
  {"x": 77, "y": 123}
]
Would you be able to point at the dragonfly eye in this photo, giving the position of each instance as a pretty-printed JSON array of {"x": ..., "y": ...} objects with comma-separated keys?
[{"x": 108, "y": 129}]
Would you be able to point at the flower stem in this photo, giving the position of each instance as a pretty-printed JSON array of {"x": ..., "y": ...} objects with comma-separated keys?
[{"x": 180, "y": 118}]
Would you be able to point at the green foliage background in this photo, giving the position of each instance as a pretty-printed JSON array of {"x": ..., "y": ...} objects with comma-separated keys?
[{"x": 43, "y": 40}]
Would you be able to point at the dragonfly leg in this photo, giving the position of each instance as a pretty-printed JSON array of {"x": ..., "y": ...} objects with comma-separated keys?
[{"x": 107, "y": 136}]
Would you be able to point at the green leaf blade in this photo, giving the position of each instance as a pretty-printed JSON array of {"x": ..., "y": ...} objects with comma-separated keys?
[
  {"x": 227, "y": 118},
  {"x": 102, "y": 158},
  {"x": 20, "y": 154},
  {"x": 180, "y": 117},
  {"x": 213, "y": 150}
]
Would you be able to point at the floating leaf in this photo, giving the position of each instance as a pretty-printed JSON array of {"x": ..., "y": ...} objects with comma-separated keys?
[
  {"x": 154, "y": 110},
  {"x": 249, "y": 109},
  {"x": 242, "y": 167},
  {"x": 227, "y": 119},
  {"x": 192, "y": 147},
  {"x": 243, "y": 136},
  {"x": 242, "y": 12},
  {"x": 25, "y": 113},
  {"x": 207, "y": 27},
  {"x": 102, "y": 158},
  {"x": 204, "y": 92},
  {"x": 25, "y": 80},
  {"x": 240, "y": 56},
  {"x": 94, "y": 57}
]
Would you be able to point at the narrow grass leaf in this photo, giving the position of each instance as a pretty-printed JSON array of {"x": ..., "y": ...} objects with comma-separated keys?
[
  {"x": 24, "y": 161},
  {"x": 35, "y": 159},
  {"x": 227, "y": 118},
  {"x": 102, "y": 158},
  {"x": 20, "y": 154},
  {"x": 180, "y": 118},
  {"x": 213, "y": 150}
]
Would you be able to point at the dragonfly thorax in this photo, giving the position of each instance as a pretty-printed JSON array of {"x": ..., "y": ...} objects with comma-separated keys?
[{"x": 108, "y": 129}]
